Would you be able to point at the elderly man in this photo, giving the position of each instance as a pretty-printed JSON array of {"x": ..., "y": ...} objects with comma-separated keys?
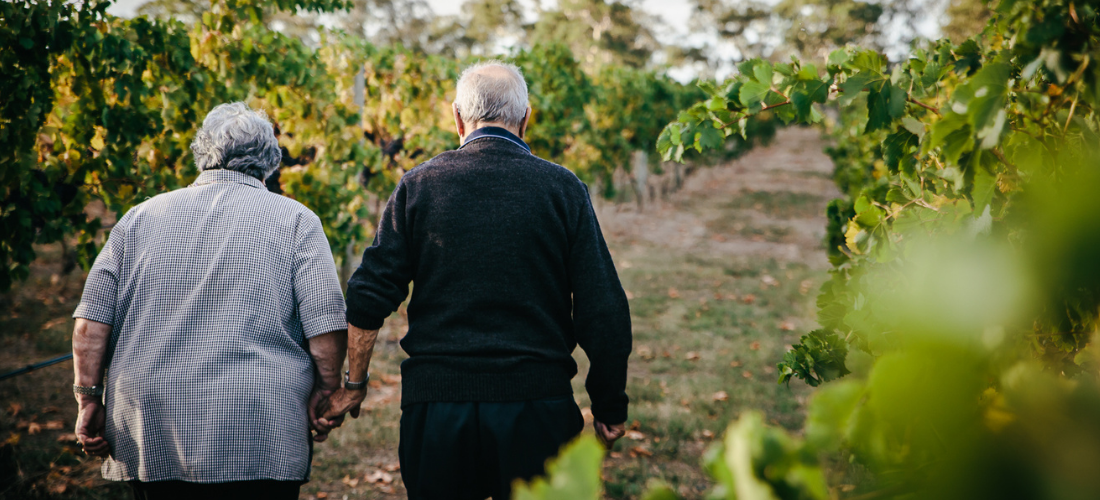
[
  {"x": 511, "y": 272},
  {"x": 215, "y": 311}
]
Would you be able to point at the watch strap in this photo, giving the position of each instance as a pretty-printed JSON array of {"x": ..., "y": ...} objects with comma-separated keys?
[{"x": 354, "y": 386}]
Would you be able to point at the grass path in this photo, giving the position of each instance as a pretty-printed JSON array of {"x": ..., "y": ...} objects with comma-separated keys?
[{"x": 721, "y": 276}]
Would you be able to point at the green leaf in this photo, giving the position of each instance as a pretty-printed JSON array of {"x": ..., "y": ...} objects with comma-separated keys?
[
  {"x": 752, "y": 95},
  {"x": 659, "y": 490},
  {"x": 852, "y": 87},
  {"x": 573, "y": 475},
  {"x": 829, "y": 417},
  {"x": 899, "y": 147},
  {"x": 674, "y": 134},
  {"x": 764, "y": 461},
  {"x": 885, "y": 102},
  {"x": 868, "y": 62},
  {"x": 716, "y": 103},
  {"x": 708, "y": 138},
  {"x": 985, "y": 184},
  {"x": 763, "y": 73}
]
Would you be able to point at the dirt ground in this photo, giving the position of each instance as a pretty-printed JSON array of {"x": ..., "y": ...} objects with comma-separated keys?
[{"x": 721, "y": 277}]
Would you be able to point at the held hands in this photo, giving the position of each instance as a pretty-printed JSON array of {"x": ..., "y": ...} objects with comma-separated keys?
[
  {"x": 608, "y": 434},
  {"x": 345, "y": 401},
  {"x": 318, "y": 402},
  {"x": 90, "y": 424}
]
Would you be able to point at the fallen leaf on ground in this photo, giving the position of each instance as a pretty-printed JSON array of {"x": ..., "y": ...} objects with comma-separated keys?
[
  {"x": 67, "y": 438},
  {"x": 375, "y": 384},
  {"x": 640, "y": 451},
  {"x": 397, "y": 467},
  {"x": 666, "y": 354},
  {"x": 748, "y": 299},
  {"x": 786, "y": 326},
  {"x": 673, "y": 293},
  {"x": 322, "y": 495},
  {"x": 54, "y": 322},
  {"x": 54, "y": 425},
  {"x": 391, "y": 379},
  {"x": 769, "y": 369},
  {"x": 720, "y": 396},
  {"x": 14, "y": 409},
  {"x": 635, "y": 435},
  {"x": 708, "y": 434},
  {"x": 645, "y": 352},
  {"x": 627, "y": 265},
  {"x": 685, "y": 402},
  {"x": 718, "y": 238},
  {"x": 351, "y": 483},
  {"x": 746, "y": 374},
  {"x": 847, "y": 487},
  {"x": 805, "y": 286},
  {"x": 735, "y": 364},
  {"x": 768, "y": 280},
  {"x": 58, "y": 489},
  {"x": 616, "y": 454},
  {"x": 755, "y": 345},
  {"x": 629, "y": 296},
  {"x": 33, "y": 428},
  {"x": 379, "y": 477},
  {"x": 692, "y": 356},
  {"x": 635, "y": 425},
  {"x": 13, "y": 439}
]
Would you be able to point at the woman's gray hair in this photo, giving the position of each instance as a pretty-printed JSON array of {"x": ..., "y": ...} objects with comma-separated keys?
[
  {"x": 492, "y": 91},
  {"x": 236, "y": 137}
]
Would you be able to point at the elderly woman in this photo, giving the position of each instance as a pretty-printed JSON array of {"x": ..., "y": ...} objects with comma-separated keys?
[{"x": 216, "y": 314}]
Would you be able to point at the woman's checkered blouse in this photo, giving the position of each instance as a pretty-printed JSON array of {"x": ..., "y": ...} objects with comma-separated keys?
[{"x": 211, "y": 292}]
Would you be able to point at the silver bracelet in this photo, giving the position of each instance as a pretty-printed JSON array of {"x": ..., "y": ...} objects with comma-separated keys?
[{"x": 94, "y": 390}]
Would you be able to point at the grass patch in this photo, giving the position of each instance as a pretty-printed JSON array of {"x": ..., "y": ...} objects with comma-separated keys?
[{"x": 779, "y": 204}]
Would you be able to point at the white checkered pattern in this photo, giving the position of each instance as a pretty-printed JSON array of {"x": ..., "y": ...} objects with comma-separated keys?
[{"x": 212, "y": 291}]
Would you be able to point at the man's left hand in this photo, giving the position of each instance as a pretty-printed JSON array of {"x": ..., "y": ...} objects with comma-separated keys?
[{"x": 345, "y": 401}]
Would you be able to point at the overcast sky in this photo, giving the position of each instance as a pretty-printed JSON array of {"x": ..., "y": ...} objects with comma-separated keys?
[{"x": 672, "y": 14}]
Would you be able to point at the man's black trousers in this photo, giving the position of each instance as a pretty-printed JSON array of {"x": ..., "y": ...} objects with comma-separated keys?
[{"x": 467, "y": 451}]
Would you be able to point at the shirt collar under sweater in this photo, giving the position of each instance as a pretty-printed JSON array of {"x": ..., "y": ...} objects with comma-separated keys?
[{"x": 497, "y": 133}]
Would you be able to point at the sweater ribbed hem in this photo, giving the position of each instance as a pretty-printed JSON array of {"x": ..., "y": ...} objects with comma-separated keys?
[
  {"x": 426, "y": 383},
  {"x": 364, "y": 321}
]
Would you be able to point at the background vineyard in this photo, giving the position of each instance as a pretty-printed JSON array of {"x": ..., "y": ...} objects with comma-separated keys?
[{"x": 953, "y": 342}]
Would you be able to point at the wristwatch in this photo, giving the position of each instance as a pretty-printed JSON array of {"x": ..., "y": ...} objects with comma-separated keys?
[
  {"x": 94, "y": 390},
  {"x": 354, "y": 386}
]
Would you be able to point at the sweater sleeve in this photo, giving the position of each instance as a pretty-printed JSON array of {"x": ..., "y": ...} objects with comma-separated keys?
[
  {"x": 382, "y": 281},
  {"x": 601, "y": 318}
]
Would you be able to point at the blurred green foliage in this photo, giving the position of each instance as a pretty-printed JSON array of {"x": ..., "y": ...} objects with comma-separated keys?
[{"x": 964, "y": 255}]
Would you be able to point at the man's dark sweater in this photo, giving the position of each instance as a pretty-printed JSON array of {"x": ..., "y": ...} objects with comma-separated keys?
[{"x": 511, "y": 272}]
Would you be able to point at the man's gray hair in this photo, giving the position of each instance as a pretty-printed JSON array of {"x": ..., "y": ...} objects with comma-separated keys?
[
  {"x": 484, "y": 97},
  {"x": 236, "y": 137}
]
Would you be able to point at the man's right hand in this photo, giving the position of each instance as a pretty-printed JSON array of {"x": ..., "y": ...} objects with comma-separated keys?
[
  {"x": 345, "y": 401},
  {"x": 608, "y": 434}
]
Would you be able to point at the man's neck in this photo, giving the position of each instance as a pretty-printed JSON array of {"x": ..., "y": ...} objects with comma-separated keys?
[{"x": 480, "y": 126}]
